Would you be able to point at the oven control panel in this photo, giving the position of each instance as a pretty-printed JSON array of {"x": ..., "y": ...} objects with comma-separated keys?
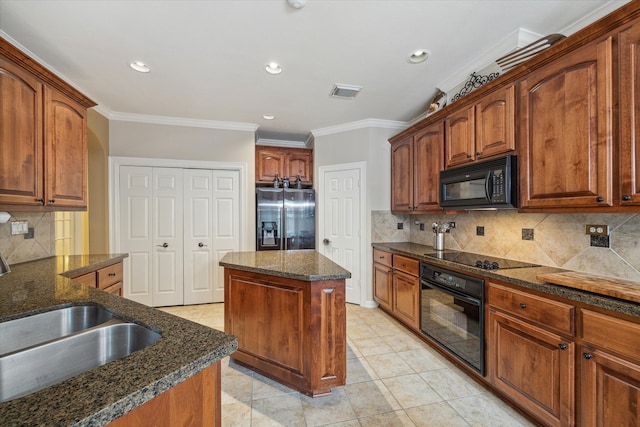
[{"x": 449, "y": 280}]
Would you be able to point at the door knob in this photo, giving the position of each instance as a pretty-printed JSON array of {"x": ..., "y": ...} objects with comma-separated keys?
[
  {"x": 164, "y": 245},
  {"x": 200, "y": 245},
  {"x": 326, "y": 241}
]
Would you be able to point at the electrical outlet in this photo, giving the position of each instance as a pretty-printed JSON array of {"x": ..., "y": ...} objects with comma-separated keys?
[
  {"x": 479, "y": 230},
  {"x": 19, "y": 227},
  {"x": 596, "y": 230}
]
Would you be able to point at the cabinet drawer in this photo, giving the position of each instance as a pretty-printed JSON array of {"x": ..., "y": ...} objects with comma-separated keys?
[
  {"x": 611, "y": 333},
  {"x": 408, "y": 265},
  {"x": 382, "y": 257},
  {"x": 88, "y": 279},
  {"x": 107, "y": 276},
  {"x": 549, "y": 313}
]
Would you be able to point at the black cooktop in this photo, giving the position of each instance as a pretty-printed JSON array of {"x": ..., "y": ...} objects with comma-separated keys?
[{"x": 480, "y": 261}]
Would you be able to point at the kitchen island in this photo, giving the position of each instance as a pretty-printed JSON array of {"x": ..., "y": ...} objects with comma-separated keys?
[
  {"x": 287, "y": 309},
  {"x": 124, "y": 387}
]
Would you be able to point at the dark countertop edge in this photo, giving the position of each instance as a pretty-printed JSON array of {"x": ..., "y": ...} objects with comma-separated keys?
[
  {"x": 115, "y": 258},
  {"x": 288, "y": 275},
  {"x": 41, "y": 280},
  {"x": 523, "y": 277},
  {"x": 149, "y": 392}
]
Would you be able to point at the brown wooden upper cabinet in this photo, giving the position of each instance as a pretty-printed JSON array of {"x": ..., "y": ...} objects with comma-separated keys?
[
  {"x": 289, "y": 162},
  {"x": 482, "y": 130},
  {"x": 43, "y": 139},
  {"x": 566, "y": 130},
  {"x": 416, "y": 162},
  {"x": 629, "y": 45}
]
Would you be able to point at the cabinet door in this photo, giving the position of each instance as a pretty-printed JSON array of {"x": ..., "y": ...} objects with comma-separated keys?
[
  {"x": 460, "y": 137},
  {"x": 533, "y": 366},
  {"x": 65, "y": 151},
  {"x": 610, "y": 390},
  {"x": 428, "y": 160},
  {"x": 402, "y": 176},
  {"x": 495, "y": 123},
  {"x": 406, "y": 298},
  {"x": 566, "y": 130},
  {"x": 300, "y": 163},
  {"x": 382, "y": 282},
  {"x": 269, "y": 163},
  {"x": 630, "y": 115},
  {"x": 21, "y": 172}
]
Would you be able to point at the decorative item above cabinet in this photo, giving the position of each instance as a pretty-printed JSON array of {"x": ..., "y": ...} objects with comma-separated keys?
[
  {"x": 284, "y": 162},
  {"x": 44, "y": 139}
]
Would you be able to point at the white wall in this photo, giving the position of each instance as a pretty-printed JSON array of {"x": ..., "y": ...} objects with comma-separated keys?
[
  {"x": 369, "y": 145},
  {"x": 159, "y": 141}
]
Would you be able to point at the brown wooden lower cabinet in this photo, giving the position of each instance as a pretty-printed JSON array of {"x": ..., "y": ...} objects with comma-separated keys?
[
  {"x": 109, "y": 278},
  {"x": 406, "y": 298},
  {"x": 533, "y": 366},
  {"x": 292, "y": 331},
  {"x": 194, "y": 402}
]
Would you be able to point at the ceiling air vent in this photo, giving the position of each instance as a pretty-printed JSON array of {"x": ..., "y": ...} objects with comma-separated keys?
[{"x": 345, "y": 91}]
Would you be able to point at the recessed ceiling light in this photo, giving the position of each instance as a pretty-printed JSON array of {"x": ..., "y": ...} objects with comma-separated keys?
[
  {"x": 268, "y": 117},
  {"x": 140, "y": 66},
  {"x": 273, "y": 68},
  {"x": 418, "y": 56}
]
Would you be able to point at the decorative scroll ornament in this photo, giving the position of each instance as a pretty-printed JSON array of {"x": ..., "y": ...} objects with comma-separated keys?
[{"x": 474, "y": 82}]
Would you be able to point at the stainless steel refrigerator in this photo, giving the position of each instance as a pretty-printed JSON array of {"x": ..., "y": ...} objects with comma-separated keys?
[{"x": 285, "y": 219}]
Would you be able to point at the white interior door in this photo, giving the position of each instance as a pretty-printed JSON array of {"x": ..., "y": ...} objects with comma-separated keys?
[
  {"x": 167, "y": 264},
  {"x": 226, "y": 224},
  {"x": 340, "y": 225},
  {"x": 136, "y": 193},
  {"x": 199, "y": 269}
]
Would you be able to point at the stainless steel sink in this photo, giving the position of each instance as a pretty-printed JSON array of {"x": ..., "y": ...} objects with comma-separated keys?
[
  {"x": 40, "y": 328},
  {"x": 32, "y": 369}
]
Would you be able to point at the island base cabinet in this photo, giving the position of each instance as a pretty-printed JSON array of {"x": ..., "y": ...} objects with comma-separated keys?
[
  {"x": 196, "y": 401},
  {"x": 534, "y": 367},
  {"x": 289, "y": 330}
]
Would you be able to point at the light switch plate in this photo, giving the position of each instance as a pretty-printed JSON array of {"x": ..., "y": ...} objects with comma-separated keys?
[{"x": 19, "y": 227}]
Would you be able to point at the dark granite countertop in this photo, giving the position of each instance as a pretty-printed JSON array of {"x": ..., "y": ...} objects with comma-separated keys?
[
  {"x": 109, "y": 391},
  {"x": 524, "y": 277},
  {"x": 306, "y": 265}
]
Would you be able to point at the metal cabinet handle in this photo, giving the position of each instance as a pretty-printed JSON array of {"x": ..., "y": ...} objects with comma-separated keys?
[
  {"x": 52, "y": 200},
  {"x": 587, "y": 355},
  {"x": 523, "y": 305},
  {"x": 626, "y": 197},
  {"x": 200, "y": 245},
  {"x": 41, "y": 201},
  {"x": 112, "y": 274},
  {"x": 599, "y": 199},
  {"x": 164, "y": 245},
  {"x": 562, "y": 346}
]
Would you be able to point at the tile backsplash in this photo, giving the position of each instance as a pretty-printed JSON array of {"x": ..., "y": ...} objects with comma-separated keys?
[
  {"x": 558, "y": 240},
  {"x": 18, "y": 249}
]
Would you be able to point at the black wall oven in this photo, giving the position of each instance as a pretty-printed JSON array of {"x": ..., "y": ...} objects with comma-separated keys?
[{"x": 452, "y": 313}]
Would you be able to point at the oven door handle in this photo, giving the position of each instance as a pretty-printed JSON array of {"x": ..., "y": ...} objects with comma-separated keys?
[{"x": 457, "y": 294}]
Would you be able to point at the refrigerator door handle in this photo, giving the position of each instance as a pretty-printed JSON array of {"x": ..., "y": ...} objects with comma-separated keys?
[{"x": 283, "y": 232}]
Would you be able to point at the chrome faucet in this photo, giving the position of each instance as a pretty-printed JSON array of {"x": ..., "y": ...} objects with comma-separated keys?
[{"x": 4, "y": 265}]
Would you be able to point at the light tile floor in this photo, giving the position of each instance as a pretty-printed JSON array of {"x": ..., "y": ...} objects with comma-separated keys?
[{"x": 393, "y": 379}]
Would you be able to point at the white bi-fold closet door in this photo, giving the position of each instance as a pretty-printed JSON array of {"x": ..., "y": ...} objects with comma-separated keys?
[{"x": 176, "y": 224}]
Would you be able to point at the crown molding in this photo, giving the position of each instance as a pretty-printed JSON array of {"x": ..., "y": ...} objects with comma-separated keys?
[
  {"x": 592, "y": 17},
  {"x": 360, "y": 124},
  {"x": 179, "y": 121},
  {"x": 281, "y": 143}
]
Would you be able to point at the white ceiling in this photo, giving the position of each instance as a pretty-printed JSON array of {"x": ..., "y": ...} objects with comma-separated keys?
[{"x": 208, "y": 57}]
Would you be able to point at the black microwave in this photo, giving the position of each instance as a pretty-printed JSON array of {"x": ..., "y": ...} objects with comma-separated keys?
[{"x": 488, "y": 184}]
